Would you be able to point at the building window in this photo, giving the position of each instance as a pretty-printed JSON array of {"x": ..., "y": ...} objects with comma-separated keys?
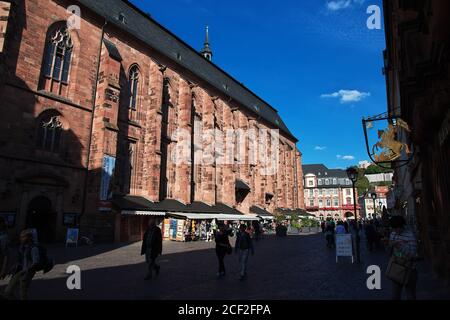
[
  {"x": 49, "y": 133},
  {"x": 58, "y": 56},
  {"x": 327, "y": 182},
  {"x": 349, "y": 201},
  {"x": 336, "y": 202},
  {"x": 311, "y": 203},
  {"x": 335, "y": 181},
  {"x": 320, "y": 203},
  {"x": 348, "y": 192},
  {"x": 328, "y": 203},
  {"x": 320, "y": 182},
  {"x": 133, "y": 87},
  {"x": 310, "y": 183}
]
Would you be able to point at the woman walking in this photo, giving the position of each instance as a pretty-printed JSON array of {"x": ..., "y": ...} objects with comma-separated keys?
[
  {"x": 223, "y": 247},
  {"x": 403, "y": 265}
]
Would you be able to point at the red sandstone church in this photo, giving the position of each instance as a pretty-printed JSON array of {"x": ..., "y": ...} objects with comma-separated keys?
[{"x": 96, "y": 101}]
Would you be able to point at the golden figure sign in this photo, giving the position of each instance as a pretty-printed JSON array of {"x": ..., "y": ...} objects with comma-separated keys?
[{"x": 391, "y": 148}]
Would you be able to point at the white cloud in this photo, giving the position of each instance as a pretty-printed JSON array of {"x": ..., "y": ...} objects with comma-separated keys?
[
  {"x": 348, "y": 158},
  {"x": 320, "y": 148},
  {"x": 347, "y": 96},
  {"x": 337, "y": 5}
]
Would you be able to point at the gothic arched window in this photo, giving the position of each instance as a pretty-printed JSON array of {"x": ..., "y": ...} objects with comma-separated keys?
[
  {"x": 58, "y": 55},
  {"x": 49, "y": 133},
  {"x": 133, "y": 86}
]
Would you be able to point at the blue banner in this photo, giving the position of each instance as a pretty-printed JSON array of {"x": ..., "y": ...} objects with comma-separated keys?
[{"x": 109, "y": 165}]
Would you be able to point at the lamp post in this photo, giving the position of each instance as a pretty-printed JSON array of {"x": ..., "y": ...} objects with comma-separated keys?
[
  {"x": 374, "y": 197},
  {"x": 352, "y": 174}
]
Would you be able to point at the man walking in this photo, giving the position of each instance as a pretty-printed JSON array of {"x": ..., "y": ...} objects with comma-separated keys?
[
  {"x": 152, "y": 248},
  {"x": 29, "y": 259},
  {"x": 244, "y": 246}
]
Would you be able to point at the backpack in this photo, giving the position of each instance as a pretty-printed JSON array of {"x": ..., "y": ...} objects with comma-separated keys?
[{"x": 45, "y": 263}]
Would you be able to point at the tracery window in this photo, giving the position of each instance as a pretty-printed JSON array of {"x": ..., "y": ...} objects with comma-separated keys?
[
  {"x": 58, "y": 55},
  {"x": 133, "y": 86},
  {"x": 49, "y": 133}
]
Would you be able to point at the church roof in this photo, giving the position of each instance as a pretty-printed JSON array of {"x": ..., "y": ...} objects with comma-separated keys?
[{"x": 144, "y": 28}]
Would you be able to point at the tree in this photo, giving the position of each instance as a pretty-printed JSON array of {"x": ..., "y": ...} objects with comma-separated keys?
[{"x": 374, "y": 169}]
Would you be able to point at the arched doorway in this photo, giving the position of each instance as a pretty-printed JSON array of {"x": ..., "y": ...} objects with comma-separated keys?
[
  {"x": 42, "y": 217},
  {"x": 349, "y": 215}
]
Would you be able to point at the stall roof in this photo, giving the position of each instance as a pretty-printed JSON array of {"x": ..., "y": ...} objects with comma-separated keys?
[
  {"x": 132, "y": 203},
  {"x": 261, "y": 212},
  {"x": 225, "y": 209}
]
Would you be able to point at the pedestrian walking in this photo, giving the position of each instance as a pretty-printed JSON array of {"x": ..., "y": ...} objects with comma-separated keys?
[
  {"x": 371, "y": 235},
  {"x": 329, "y": 234},
  {"x": 346, "y": 226},
  {"x": 27, "y": 265},
  {"x": 4, "y": 249},
  {"x": 340, "y": 229},
  {"x": 152, "y": 248},
  {"x": 323, "y": 226},
  {"x": 244, "y": 247},
  {"x": 402, "y": 269},
  {"x": 223, "y": 247}
]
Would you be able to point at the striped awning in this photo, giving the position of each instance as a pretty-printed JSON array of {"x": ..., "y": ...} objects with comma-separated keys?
[{"x": 143, "y": 213}]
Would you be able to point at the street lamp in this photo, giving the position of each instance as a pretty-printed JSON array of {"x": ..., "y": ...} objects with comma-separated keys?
[
  {"x": 352, "y": 174},
  {"x": 374, "y": 197}
]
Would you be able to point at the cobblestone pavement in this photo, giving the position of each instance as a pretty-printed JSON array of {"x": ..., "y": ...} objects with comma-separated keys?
[{"x": 292, "y": 268}]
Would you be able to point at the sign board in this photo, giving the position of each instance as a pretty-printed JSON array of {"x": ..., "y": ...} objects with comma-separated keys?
[
  {"x": 180, "y": 230},
  {"x": 344, "y": 246},
  {"x": 72, "y": 237},
  {"x": 166, "y": 229}
]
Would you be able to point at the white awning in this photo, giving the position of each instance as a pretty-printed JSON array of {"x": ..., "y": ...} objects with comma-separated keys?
[
  {"x": 197, "y": 216},
  {"x": 267, "y": 217},
  {"x": 233, "y": 217},
  {"x": 143, "y": 213},
  {"x": 217, "y": 216}
]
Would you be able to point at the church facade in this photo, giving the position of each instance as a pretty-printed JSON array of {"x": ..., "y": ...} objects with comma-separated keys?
[{"x": 108, "y": 118}]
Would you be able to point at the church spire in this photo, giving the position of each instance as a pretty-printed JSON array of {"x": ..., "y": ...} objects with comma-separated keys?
[{"x": 206, "y": 51}]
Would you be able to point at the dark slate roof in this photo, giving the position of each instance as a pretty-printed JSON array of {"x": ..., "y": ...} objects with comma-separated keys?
[
  {"x": 132, "y": 203},
  {"x": 201, "y": 207},
  {"x": 321, "y": 171},
  {"x": 144, "y": 28},
  {"x": 260, "y": 211},
  {"x": 225, "y": 209}
]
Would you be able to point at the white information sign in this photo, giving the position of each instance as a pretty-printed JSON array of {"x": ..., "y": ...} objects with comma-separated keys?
[{"x": 344, "y": 246}]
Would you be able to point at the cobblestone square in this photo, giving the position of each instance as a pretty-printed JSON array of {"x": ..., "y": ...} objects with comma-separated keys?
[{"x": 291, "y": 268}]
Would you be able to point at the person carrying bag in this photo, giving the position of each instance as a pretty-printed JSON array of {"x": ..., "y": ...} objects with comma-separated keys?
[{"x": 402, "y": 268}]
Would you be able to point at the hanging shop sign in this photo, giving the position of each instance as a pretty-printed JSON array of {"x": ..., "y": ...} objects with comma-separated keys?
[{"x": 382, "y": 134}]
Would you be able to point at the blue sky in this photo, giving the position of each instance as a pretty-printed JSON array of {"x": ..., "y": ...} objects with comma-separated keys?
[{"x": 315, "y": 61}]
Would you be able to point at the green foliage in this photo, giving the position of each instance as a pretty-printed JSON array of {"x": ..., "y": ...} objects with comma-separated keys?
[
  {"x": 309, "y": 223},
  {"x": 374, "y": 169},
  {"x": 295, "y": 220}
]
